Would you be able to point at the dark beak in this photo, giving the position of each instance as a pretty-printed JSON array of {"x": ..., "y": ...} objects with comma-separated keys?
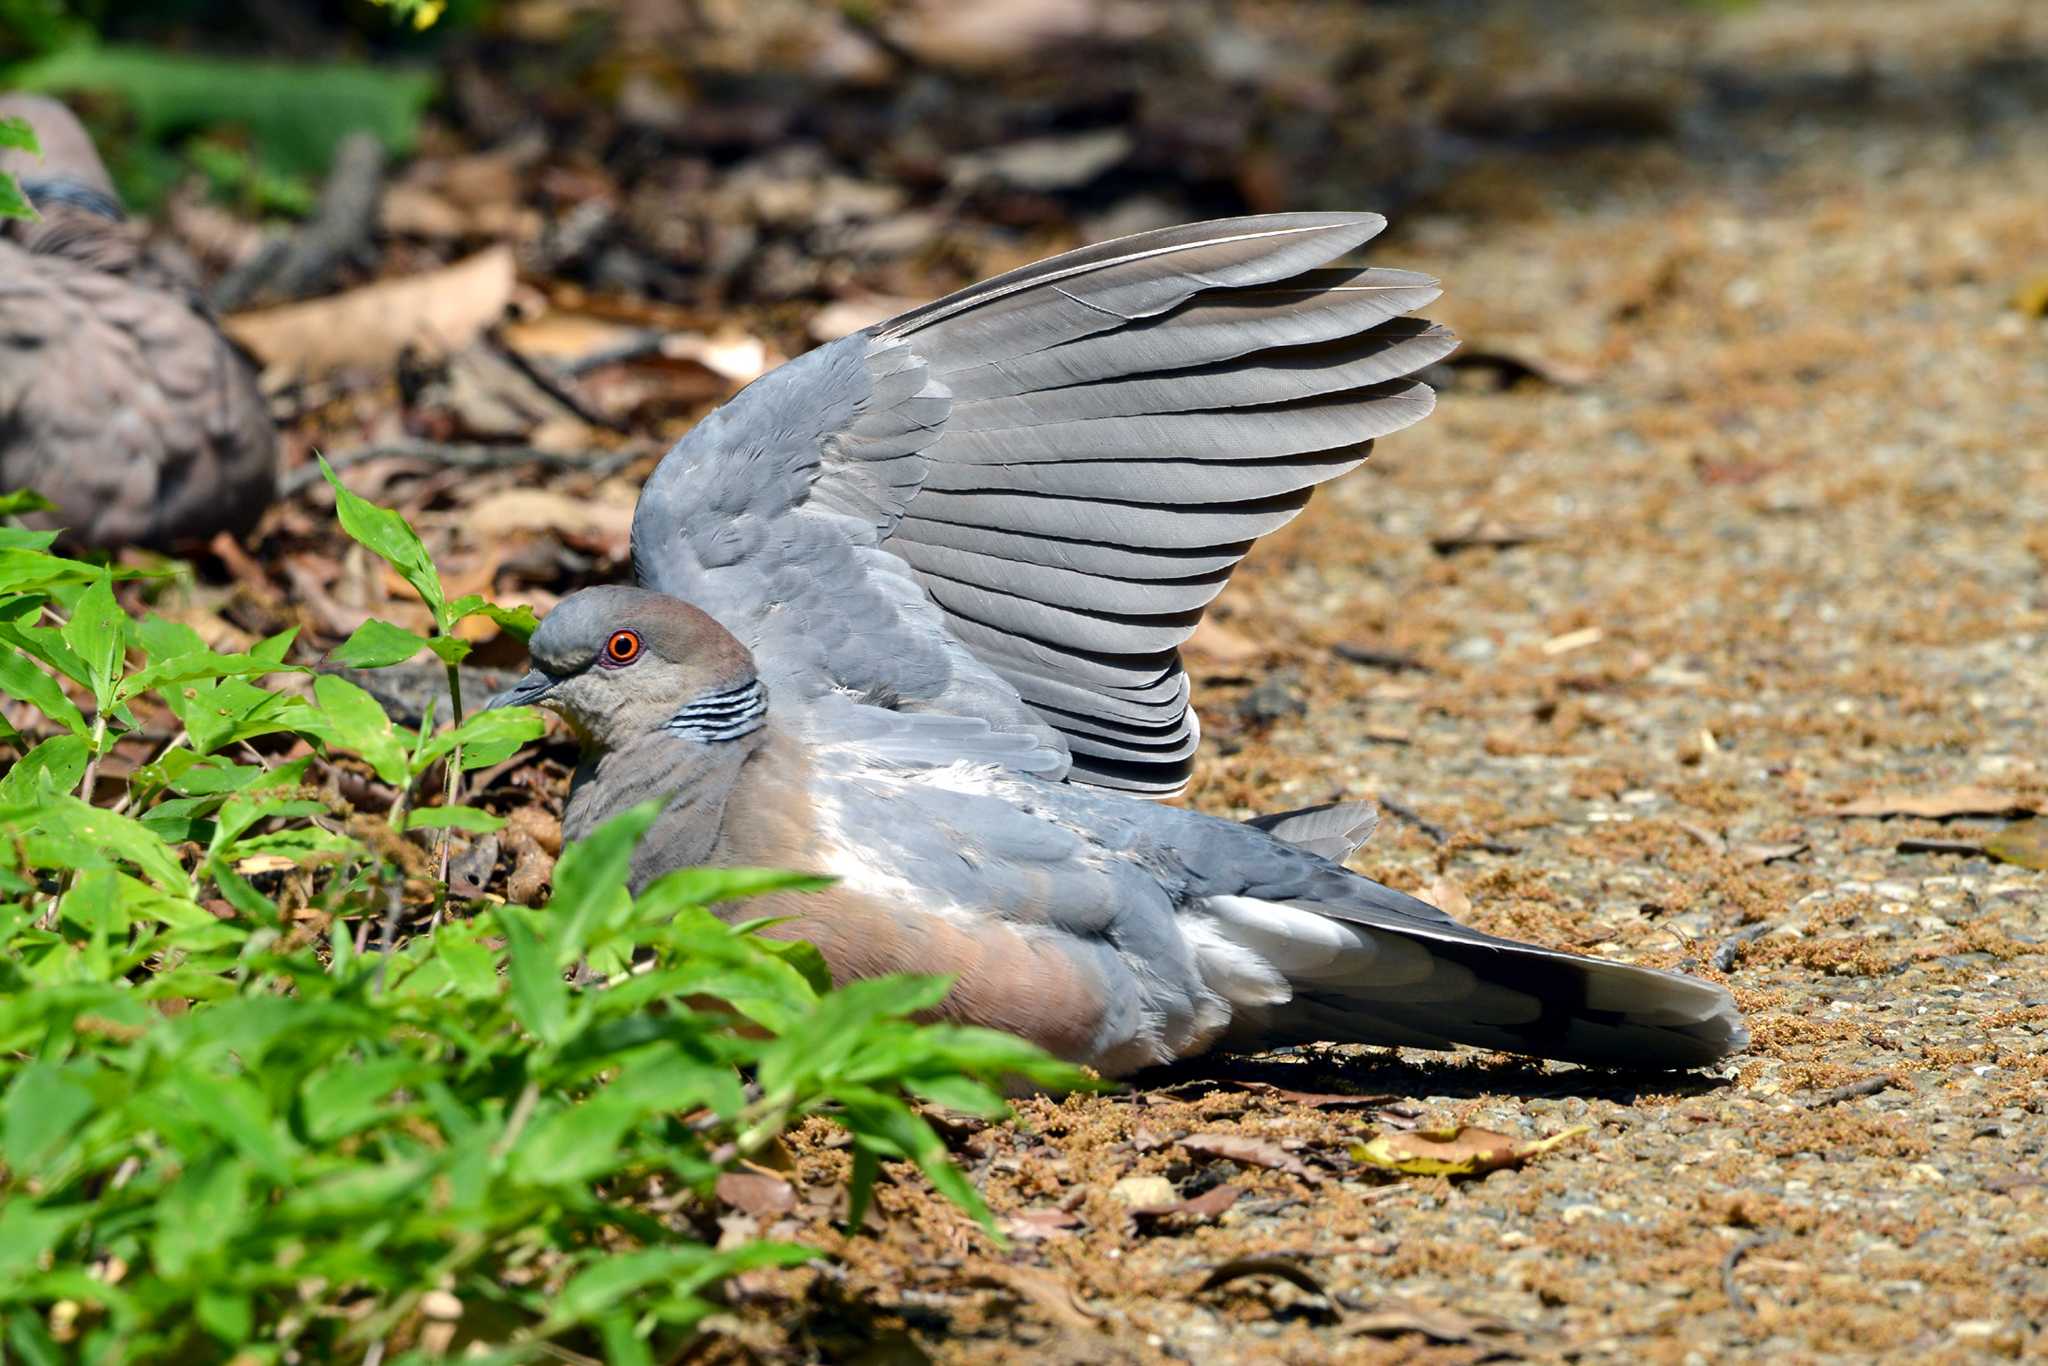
[{"x": 527, "y": 691}]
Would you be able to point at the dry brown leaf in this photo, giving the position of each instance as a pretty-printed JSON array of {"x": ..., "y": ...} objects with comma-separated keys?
[
  {"x": 1249, "y": 1152},
  {"x": 1476, "y": 530},
  {"x": 1280, "y": 1268},
  {"x": 1038, "y": 1225},
  {"x": 567, "y": 338},
  {"x": 438, "y": 312},
  {"x": 1048, "y": 1292},
  {"x": 734, "y": 359},
  {"x": 1758, "y": 854},
  {"x": 1438, "y": 1325},
  {"x": 756, "y": 1193},
  {"x": 1454, "y": 1152},
  {"x": 1448, "y": 897},
  {"x": 1216, "y": 643},
  {"x": 836, "y": 320},
  {"x": 607, "y": 522},
  {"x": 1957, "y": 801}
]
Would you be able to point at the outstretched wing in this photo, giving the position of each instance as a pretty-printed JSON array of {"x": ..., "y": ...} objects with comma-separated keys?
[{"x": 1014, "y": 504}]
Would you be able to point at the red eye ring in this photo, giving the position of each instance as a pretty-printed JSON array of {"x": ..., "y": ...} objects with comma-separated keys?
[{"x": 622, "y": 649}]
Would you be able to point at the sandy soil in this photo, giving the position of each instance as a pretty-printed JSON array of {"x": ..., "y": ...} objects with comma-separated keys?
[{"x": 1776, "y": 456}]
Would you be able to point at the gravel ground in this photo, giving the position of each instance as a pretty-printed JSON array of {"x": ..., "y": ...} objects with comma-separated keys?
[{"x": 1764, "y": 529}]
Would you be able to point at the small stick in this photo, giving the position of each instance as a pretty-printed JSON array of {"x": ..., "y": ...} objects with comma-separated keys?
[
  {"x": 1436, "y": 833},
  {"x": 472, "y": 456},
  {"x": 1869, "y": 1086},
  {"x": 1736, "y": 1299},
  {"x": 1965, "y": 848},
  {"x": 1730, "y": 948}
]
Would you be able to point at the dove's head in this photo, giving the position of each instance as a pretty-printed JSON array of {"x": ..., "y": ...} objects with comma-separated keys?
[{"x": 622, "y": 664}]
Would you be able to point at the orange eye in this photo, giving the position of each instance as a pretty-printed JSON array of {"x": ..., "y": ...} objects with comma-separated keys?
[{"x": 622, "y": 648}]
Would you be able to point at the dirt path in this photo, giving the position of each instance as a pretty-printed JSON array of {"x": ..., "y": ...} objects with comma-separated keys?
[{"x": 1781, "y": 475}]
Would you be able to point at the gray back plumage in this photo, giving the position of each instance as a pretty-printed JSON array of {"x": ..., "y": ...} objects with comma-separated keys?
[{"x": 1012, "y": 505}]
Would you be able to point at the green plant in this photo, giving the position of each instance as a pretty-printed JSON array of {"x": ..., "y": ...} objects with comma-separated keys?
[
  {"x": 249, "y": 1107},
  {"x": 16, "y": 134}
]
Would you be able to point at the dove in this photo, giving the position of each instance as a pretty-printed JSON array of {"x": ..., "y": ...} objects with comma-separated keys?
[
  {"x": 907, "y": 614},
  {"x": 120, "y": 399}
]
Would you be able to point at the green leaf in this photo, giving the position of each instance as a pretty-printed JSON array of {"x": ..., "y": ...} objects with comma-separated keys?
[
  {"x": 24, "y": 571},
  {"x": 471, "y": 967},
  {"x": 18, "y": 501},
  {"x": 486, "y": 737},
  {"x": 296, "y": 114},
  {"x": 94, "y": 634},
  {"x": 61, "y": 757},
  {"x": 201, "y": 664},
  {"x": 82, "y": 833},
  {"x": 229, "y": 1315},
  {"x": 44, "y": 1105},
  {"x": 590, "y": 879},
  {"x": 376, "y": 645},
  {"x": 574, "y": 1145},
  {"x": 13, "y": 203},
  {"x": 450, "y": 650},
  {"x": 350, "y": 719},
  {"x": 516, "y": 621},
  {"x": 956, "y": 1092},
  {"x": 451, "y": 818},
  {"x": 20, "y": 678},
  {"x": 885, "y": 1126},
  {"x": 16, "y": 133},
  {"x": 540, "y": 998},
  {"x": 349, "y": 1096},
  {"x": 387, "y": 534},
  {"x": 616, "y": 1277}
]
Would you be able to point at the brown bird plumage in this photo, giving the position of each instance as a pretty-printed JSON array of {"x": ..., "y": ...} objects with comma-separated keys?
[{"x": 120, "y": 399}]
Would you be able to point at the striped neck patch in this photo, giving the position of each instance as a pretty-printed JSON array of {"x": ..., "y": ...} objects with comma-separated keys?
[{"x": 721, "y": 716}]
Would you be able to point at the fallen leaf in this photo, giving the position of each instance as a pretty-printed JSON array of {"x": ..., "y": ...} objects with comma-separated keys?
[
  {"x": 737, "y": 360},
  {"x": 1438, "y": 1325},
  {"x": 1509, "y": 368},
  {"x": 1574, "y": 640},
  {"x": 438, "y": 312},
  {"x": 1061, "y": 162},
  {"x": 1250, "y": 1152},
  {"x": 1475, "y": 530},
  {"x": 1958, "y": 801},
  {"x": 1146, "y": 1141},
  {"x": 573, "y": 339},
  {"x": 2031, "y": 298},
  {"x": 1279, "y": 1268},
  {"x": 756, "y": 1193},
  {"x": 1757, "y": 855},
  {"x": 1448, "y": 897},
  {"x": 1217, "y": 643},
  {"x": 608, "y": 521},
  {"x": 1454, "y": 1152},
  {"x": 1038, "y": 1225},
  {"x": 979, "y": 35},
  {"x": 1207, "y": 1205},
  {"x": 2024, "y": 845},
  {"x": 264, "y": 863},
  {"x": 1048, "y": 1292},
  {"x": 836, "y": 320}
]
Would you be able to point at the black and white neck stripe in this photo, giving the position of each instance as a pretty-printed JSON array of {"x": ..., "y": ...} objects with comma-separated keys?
[
  {"x": 41, "y": 191},
  {"x": 722, "y": 716}
]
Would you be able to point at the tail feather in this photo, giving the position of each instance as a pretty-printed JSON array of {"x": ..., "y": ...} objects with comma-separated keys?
[
  {"x": 1333, "y": 830},
  {"x": 1387, "y": 969}
]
